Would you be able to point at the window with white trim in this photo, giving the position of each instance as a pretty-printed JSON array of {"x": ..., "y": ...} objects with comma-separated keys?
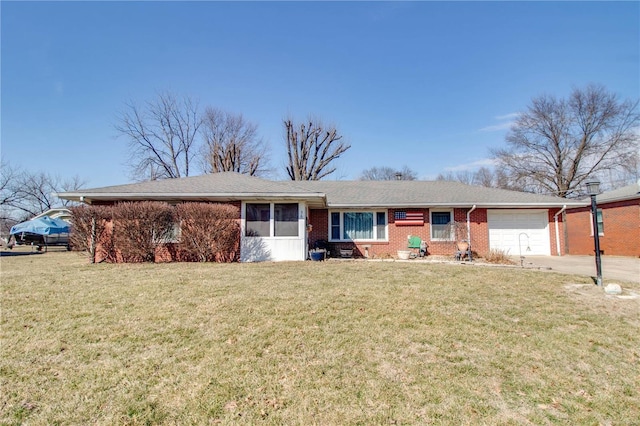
[
  {"x": 271, "y": 220},
  {"x": 441, "y": 229},
  {"x": 350, "y": 225}
]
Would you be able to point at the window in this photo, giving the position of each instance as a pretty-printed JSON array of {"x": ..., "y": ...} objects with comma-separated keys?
[
  {"x": 600, "y": 222},
  {"x": 335, "y": 226},
  {"x": 258, "y": 219},
  {"x": 171, "y": 236},
  {"x": 286, "y": 220},
  {"x": 354, "y": 225},
  {"x": 440, "y": 226},
  {"x": 381, "y": 226}
]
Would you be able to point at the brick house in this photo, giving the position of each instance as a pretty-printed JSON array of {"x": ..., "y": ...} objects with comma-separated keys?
[
  {"x": 618, "y": 221},
  {"x": 281, "y": 220}
]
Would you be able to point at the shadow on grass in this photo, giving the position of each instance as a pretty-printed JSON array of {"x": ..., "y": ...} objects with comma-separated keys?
[{"x": 19, "y": 253}]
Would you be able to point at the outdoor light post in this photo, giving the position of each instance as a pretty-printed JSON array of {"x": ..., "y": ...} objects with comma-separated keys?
[{"x": 593, "y": 188}]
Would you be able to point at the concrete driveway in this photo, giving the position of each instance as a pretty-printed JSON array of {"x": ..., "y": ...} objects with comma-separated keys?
[{"x": 613, "y": 267}]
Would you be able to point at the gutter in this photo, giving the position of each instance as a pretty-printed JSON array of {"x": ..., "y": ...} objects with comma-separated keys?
[
  {"x": 555, "y": 217},
  {"x": 469, "y": 228}
]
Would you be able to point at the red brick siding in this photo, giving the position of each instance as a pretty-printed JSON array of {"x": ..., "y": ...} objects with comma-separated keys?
[
  {"x": 319, "y": 220},
  {"x": 621, "y": 229},
  {"x": 397, "y": 238}
]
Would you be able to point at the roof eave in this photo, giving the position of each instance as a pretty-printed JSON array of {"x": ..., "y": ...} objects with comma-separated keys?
[
  {"x": 89, "y": 197},
  {"x": 619, "y": 199}
]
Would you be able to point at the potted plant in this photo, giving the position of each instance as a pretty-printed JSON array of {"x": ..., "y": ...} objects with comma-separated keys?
[
  {"x": 404, "y": 254},
  {"x": 460, "y": 235},
  {"x": 346, "y": 252}
]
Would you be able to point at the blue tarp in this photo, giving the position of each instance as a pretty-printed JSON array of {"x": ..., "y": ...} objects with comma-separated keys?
[{"x": 42, "y": 226}]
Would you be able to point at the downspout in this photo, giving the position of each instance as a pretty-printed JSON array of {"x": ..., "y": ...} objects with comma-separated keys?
[
  {"x": 469, "y": 229},
  {"x": 555, "y": 217}
]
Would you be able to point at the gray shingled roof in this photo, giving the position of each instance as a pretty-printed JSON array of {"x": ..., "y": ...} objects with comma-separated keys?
[
  {"x": 625, "y": 193},
  {"x": 425, "y": 193},
  {"x": 235, "y": 186},
  {"x": 216, "y": 186}
]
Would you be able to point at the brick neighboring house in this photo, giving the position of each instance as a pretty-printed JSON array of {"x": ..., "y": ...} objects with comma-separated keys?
[
  {"x": 618, "y": 221},
  {"x": 281, "y": 220}
]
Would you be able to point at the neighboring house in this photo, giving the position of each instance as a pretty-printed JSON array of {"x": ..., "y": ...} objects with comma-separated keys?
[
  {"x": 62, "y": 213},
  {"x": 618, "y": 219},
  {"x": 281, "y": 220}
]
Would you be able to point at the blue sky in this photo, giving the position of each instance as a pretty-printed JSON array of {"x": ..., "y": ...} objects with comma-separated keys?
[{"x": 430, "y": 85}]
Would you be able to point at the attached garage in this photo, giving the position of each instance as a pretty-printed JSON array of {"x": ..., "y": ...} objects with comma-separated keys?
[{"x": 514, "y": 231}]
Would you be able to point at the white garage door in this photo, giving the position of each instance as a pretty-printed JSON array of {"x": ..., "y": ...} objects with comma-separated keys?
[{"x": 515, "y": 230}]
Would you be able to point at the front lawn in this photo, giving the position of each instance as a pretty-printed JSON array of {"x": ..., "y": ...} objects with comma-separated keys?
[{"x": 312, "y": 343}]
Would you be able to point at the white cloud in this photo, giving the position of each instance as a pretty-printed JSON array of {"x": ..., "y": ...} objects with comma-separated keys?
[
  {"x": 497, "y": 127},
  {"x": 509, "y": 116},
  {"x": 485, "y": 162},
  {"x": 505, "y": 125}
]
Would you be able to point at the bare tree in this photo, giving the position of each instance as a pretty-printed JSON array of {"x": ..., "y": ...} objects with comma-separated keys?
[
  {"x": 387, "y": 173},
  {"x": 485, "y": 177},
  {"x": 558, "y": 144},
  {"x": 24, "y": 194},
  {"x": 312, "y": 148},
  {"x": 8, "y": 187},
  {"x": 463, "y": 176},
  {"x": 162, "y": 136},
  {"x": 231, "y": 144}
]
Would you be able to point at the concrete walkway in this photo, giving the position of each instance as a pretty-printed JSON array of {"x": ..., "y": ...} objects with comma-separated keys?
[{"x": 613, "y": 267}]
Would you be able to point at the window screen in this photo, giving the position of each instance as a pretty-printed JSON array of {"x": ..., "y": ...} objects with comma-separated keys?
[
  {"x": 257, "y": 220},
  {"x": 286, "y": 220}
]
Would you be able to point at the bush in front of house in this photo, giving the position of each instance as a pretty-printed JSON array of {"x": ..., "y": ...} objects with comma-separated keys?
[
  {"x": 138, "y": 227},
  {"x": 91, "y": 231},
  {"x": 208, "y": 232},
  {"x": 133, "y": 232}
]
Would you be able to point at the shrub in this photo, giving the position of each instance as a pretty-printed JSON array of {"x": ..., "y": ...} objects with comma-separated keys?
[
  {"x": 208, "y": 232},
  {"x": 139, "y": 226},
  {"x": 499, "y": 257},
  {"x": 91, "y": 231}
]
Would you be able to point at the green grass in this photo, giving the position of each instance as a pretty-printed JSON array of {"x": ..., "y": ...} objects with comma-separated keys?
[{"x": 312, "y": 343}]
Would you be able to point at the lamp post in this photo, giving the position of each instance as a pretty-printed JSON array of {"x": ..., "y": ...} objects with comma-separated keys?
[{"x": 593, "y": 188}]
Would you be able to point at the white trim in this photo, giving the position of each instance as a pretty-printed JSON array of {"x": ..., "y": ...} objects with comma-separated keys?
[
  {"x": 272, "y": 220},
  {"x": 555, "y": 218},
  {"x": 375, "y": 229}
]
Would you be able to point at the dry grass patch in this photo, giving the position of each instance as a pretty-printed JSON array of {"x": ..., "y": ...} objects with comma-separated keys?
[{"x": 310, "y": 343}]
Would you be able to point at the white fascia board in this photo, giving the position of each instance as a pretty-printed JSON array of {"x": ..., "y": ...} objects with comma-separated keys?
[{"x": 108, "y": 196}]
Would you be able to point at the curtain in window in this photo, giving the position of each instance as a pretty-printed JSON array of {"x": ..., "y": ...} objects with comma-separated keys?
[
  {"x": 440, "y": 229},
  {"x": 358, "y": 226}
]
